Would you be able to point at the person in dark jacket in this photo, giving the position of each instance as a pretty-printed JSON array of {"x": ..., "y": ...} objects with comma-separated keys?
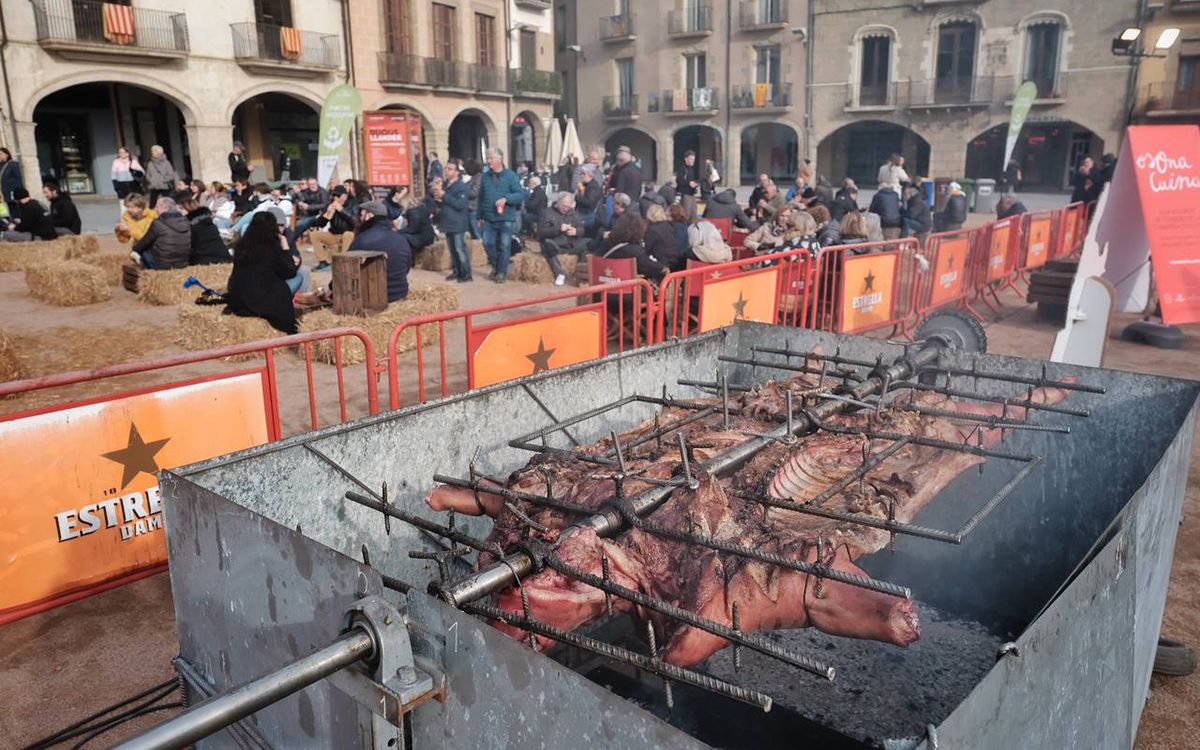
[
  {"x": 283, "y": 165},
  {"x": 207, "y": 246},
  {"x": 759, "y": 192},
  {"x": 239, "y": 166},
  {"x": 1087, "y": 182},
  {"x": 262, "y": 266},
  {"x": 954, "y": 215},
  {"x": 886, "y": 204},
  {"x": 560, "y": 230},
  {"x": 1009, "y": 206},
  {"x": 625, "y": 241},
  {"x": 687, "y": 179},
  {"x": 660, "y": 240},
  {"x": 917, "y": 218},
  {"x": 680, "y": 219},
  {"x": 454, "y": 219},
  {"x": 650, "y": 198},
  {"x": 168, "y": 243},
  {"x": 336, "y": 218},
  {"x": 844, "y": 202},
  {"x": 1012, "y": 175},
  {"x": 588, "y": 198},
  {"x": 10, "y": 179},
  {"x": 31, "y": 220},
  {"x": 418, "y": 223},
  {"x": 829, "y": 231},
  {"x": 375, "y": 233},
  {"x": 854, "y": 231},
  {"x": 724, "y": 205},
  {"x": 63, "y": 213},
  {"x": 500, "y": 197},
  {"x": 626, "y": 176},
  {"x": 535, "y": 205}
]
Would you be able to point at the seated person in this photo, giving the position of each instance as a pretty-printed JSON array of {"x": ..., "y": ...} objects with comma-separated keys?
[
  {"x": 588, "y": 197},
  {"x": 724, "y": 205},
  {"x": 770, "y": 203},
  {"x": 63, "y": 213},
  {"x": 706, "y": 245},
  {"x": 262, "y": 266},
  {"x": 829, "y": 232},
  {"x": 661, "y": 242},
  {"x": 535, "y": 205},
  {"x": 1009, "y": 206},
  {"x": 917, "y": 218},
  {"x": 311, "y": 201},
  {"x": 772, "y": 234},
  {"x": 560, "y": 230},
  {"x": 954, "y": 215},
  {"x": 31, "y": 222},
  {"x": 136, "y": 219},
  {"x": 168, "y": 243},
  {"x": 375, "y": 233},
  {"x": 625, "y": 241},
  {"x": 854, "y": 231},
  {"x": 264, "y": 199},
  {"x": 418, "y": 222},
  {"x": 337, "y": 219},
  {"x": 207, "y": 246}
]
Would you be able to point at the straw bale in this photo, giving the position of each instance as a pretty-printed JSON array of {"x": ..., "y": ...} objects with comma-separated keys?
[
  {"x": 166, "y": 287},
  {"x": 82, "y": 245},
  {"x": 436, "y": 257},
  {"x": 531, "y": 267},
  {"x": 67, "y": 283},
  {"x": 200, "y": 327},
  {"x": 12, "y": 366},
  {"x": 17, "y": 256},
  {"x": 423, "y": 299},
  {"x": 112, "y": 266},
  {"x": 478, "y": 253}
]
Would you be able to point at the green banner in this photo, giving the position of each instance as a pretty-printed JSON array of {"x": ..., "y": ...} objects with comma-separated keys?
[
  {"x": 1022, "y": 102},
  {"x": 341, "y": 107}
]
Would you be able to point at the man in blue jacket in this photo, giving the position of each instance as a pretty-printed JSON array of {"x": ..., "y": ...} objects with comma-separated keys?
[
  {"x": 500, "y": 196},
  {"x": 453, "y": 217},
  {"x": 375, "y": 233}
]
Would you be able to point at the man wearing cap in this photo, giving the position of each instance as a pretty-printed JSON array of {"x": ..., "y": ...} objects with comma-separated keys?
[
  {"x": 500, "y": 197},
  {"x": 954, "y": 215},
  {"x": 626, "y": 177},
  {"x": 375, "y": 233}
]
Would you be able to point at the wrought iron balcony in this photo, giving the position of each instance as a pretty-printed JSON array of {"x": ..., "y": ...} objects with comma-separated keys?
[
  {"x": 1164, "y": 99},
  {"x": 618, "y": 28},
  {"x": 694, "y": 19},
  {"x": 760, "y": 96},
  {"x": 537, "y": 83},
  {"x": 979, "y": 91},
  {"x": 621, "y": 107},
  {"x": 699, "y": 101},
  {"x": 282, "y": 49},
  {"x": 99, "y": 31},
  {"x": 762, "y": 14},
  {"x": 422, "y": 72},
  {"x": 488, "y": 78}
]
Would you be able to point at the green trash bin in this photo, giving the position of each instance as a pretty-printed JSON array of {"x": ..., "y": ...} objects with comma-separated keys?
[{"x": 968, "y": 186}]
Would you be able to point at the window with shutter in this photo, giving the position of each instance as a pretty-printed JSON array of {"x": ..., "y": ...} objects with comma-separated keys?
[
  {"x": 485, "y": 39},
  {"x": 398, "y": 17},
  {"x": 443, "y": 32}
]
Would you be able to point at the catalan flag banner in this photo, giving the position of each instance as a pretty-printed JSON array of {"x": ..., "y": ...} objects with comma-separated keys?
[
  {"x": 290, "y": 42},
  {"x": 118, "y": 23},
  {"x": 762, "y": 94}
]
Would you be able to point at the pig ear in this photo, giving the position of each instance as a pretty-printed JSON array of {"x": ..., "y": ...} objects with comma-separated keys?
[{"x": 463, "y": 500}]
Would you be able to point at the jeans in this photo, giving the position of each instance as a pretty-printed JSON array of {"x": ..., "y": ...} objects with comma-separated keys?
[
  {"x": 148, "y": 259},
  {"x": 457, "y": 242},
  {"x": 303, "y": 225},
  {"x": 909, "y": 231},
  {"x": 12, "y": 235},
  {"x": 302, "y": 281},
  {"x": 497, "y": 240},
  {"x": 473, "y": 223}
]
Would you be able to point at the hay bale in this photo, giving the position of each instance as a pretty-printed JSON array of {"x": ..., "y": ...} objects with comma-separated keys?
[
  {"x": 532, "y": 268},
  {"x": 436, "y": 257},
  {"x": 112, "y": 265},
  {"x": 166, "y": 287},
  {"x": 12, "y": 367},
  {"x": 17, "y": 256},
  {"x": 478, "y": 253},
  {"x": 67, "y": 283},
  {"x": 83, "y": 245},
  {"x": 423, "y": 299},
  {"x": 199, "y": 327}
]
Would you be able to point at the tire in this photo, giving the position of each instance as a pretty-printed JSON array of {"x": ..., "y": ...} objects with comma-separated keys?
[
  {"x": 958, "y": 328},
  {"x": 1174, "y": 659}
]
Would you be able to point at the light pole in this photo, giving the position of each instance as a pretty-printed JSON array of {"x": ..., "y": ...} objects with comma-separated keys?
[{"x": 1131, "y": 44}]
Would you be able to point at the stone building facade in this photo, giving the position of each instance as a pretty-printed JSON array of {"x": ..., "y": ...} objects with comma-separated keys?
[{"x": 1169, "y": 86}]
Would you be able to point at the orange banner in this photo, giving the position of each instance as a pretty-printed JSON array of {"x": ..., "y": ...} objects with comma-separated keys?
[
  {"x": 868, "y": 291},
  {"x": 291, "y": 42},
  {"x": 1038, "y": 243},
  {"x": 746, "y": 296},
  {"x": 118, "y": 24},
  {"x": 950, "y": 272},
  {"x": 386, "y": 144},
  {"x": 507, "y": 351},
  {"x": 998, "y": 249},
  {"x": 81, "y": 508},
  {"x": 1068, "y": 240}
]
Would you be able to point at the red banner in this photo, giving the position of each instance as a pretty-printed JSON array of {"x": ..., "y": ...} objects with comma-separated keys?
[
  {"x": 1166, "y": 159},
  {"x": 386, "y": 141},
  {"x": 998, "y": 249}
]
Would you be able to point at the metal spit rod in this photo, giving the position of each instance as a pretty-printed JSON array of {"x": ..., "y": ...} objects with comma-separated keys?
[
  {"x": 221, "y": 711},
  {"x": 608, "y": 522}
]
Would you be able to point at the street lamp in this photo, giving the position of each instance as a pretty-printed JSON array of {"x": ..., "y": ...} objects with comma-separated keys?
[{"x": 1128, "y": 44}]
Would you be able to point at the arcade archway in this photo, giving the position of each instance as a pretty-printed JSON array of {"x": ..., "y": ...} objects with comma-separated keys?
[
  {"x": 1046, "y": 153},
  {"x": 859, "y": 149},
  {"x": 772, "y": 148}
]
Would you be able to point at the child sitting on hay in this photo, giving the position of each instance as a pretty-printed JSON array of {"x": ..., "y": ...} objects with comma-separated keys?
[{"x": 136, "y": 219}]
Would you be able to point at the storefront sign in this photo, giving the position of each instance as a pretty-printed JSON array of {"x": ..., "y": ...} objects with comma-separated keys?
[
  {"x": 1038, "y": 242},
  {"x": 386, "y": 143},
  {"x": 868, "y": 291},
  {"x": 950, "y": 272},
  {"x": 81, "y": 509},
  {"x": 745, "y": 296},
  {"x": 517, "y": 349}
]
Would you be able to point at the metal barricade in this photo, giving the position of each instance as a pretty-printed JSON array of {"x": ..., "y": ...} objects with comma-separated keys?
[
  {"x": 771, "y": 288},
  {"x": 943, "y": 279},
  {"x": 620, "y": 313},
  {"x": 1039, "y": 238},
  {"x": 860, "y": 288},
  {"x": 994, "y": 264},
  {"x": 1072, "y": 230}
]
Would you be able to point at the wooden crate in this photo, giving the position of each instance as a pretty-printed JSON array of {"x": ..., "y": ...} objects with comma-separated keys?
[{"x": 359, "y": 282}]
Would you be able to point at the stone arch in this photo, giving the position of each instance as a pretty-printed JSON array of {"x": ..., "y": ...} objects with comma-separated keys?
[
  {"x": 766, "y": 147},
  {"x": 187, "y": 106},
  {"x": 306, "y": 97},
  {"x": 467, "y": 140},
  {"x": 858, "y": 149},
  {"x": 641, "y": 141},
  {"x": 536, "y": 143},
  {"x": 708, "y": 141},
  {"x": 1046, "y": 152}
]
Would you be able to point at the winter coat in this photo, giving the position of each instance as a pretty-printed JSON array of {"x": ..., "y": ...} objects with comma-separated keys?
[
  {"x": 137, "y": 227},
  {"x": 684, "y": 179},
  {"x": 343, "y": 221},
  {"x": 919, "y": 219},
  {"x": 10, "y": 178},
  {"x": 662, "y": 244},
  {"x": 626, "y": 178},
  {"x": 550, "y": 221},
  {"x": 830, "y": 234},
  {"x": 239, "y": 167},
  {"x": 35, "y": 220},
  {"x": 258, "y": 288},
  {"x": 647, "y": 267},
  {"x": 473, "y": 192},
  {"x": 1016, "y": 209},
  {"x": 724, "y": 205},
  {"x": 842, "y": 205},
  {"x": 377, "y": 235},
  {"x": 537, "y": 202},
  {"x": 207, "y": 246},
  {"x": 496, "y": 185},
  {"x": 766, "y": 237},
  {"x": 588, "y": 201},
  {"x": 124, "y": 180},
  {"x": 886, "y": 203},
  {"x": 454, "y": 217},
  {"x": 955, "y": 211},
  {"x": 169, "y": 241},
  {"x": 418, "y": 227},
  {"x": 64, "y": 214},
  {"x": 317, "y": 200},
  {"x": 160, "y": 174}
]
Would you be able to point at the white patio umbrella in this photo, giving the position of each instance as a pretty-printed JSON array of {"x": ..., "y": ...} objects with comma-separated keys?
[
  {"x": 571, "y": 144},
  {"x": 554, "y": 145}
]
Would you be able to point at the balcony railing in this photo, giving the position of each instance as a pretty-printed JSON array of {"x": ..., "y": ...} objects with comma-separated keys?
[
  {"x": 760, "y": 96},
  {"x": 684, "y": 101},
  {"x": 694, "y": 19},
  {"x": 489, "y": 78},
  {"x": 949, "y": 92},
  {"x": 79, "y": 26},
  {"x": 617, "y": 28},
  {"x": 411, "y": 70},
  {"x": 979, "y": 92},
  {"x": 621, "y": 107},
  {"x": 1166, "y": 97},
  {"x": 874, "y": 95},
  {"x": 762, "y": 14},
  {"x": 282, "y": 46},
  {"x": 534, "y": 82}
]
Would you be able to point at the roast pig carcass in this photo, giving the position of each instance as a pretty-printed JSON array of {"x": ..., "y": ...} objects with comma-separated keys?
[{"x": 651, "y": 560}]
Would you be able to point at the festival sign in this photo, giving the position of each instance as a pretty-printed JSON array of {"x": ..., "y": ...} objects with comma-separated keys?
[
  {"x": 998, "y": 239},
  {"x": 744, "y": 296},
  {"x": 1038, "y": 245},
  {"x": 81, "y": 510},
  {"x": 341, "y": 108},
  {"x": 868, "y": 291},
  {"x": 517, "y": 349},
  {"x": 386, "y": 143},
  {"x": 951, "y": 271}
]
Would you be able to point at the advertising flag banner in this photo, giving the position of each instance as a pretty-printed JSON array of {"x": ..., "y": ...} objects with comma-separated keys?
[
  {"x": 517, "y": 349},
  {"x": 386, "y": 144},
  {"x": 81, "y": 510},
  {"x": 868, "y": 291},
  {"x": 1039, "y": 242},
  {"x": 951, "y": 270},
  {"x": 341, "y": 107},
  {"x": 1022, "y": 103},
  {"x": 746, "y": 296}
]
